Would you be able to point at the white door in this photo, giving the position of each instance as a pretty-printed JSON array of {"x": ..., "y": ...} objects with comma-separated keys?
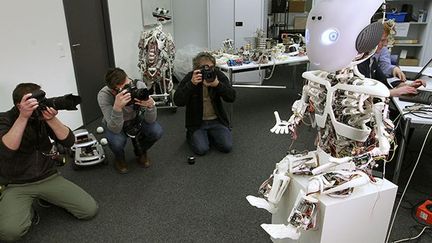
[
  {"x": 248, "y": 17},
  {"x": 224, "y": 15},
  {"x": 220, "y": 22}
]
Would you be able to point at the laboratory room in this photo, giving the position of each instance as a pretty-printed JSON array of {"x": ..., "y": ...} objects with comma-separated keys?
[{"x": 297, "y": 121}]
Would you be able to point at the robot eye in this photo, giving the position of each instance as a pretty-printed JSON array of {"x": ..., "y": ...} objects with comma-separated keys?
[
  {"x": 329, "y": 36},
  {"x": 319, "y": 17},
  {"x": 333, "y": 36},
  {"x": 313, "y": 17}
]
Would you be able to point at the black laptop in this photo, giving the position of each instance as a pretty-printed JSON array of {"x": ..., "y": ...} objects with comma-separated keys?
[{"x": 422, "y": 96}]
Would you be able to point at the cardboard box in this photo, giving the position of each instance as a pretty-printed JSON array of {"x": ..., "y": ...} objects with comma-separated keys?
[
  {"x": 408, "y": 62},
  {"x": 296, "y": 6},
  {"x": 300, "y": 22}
]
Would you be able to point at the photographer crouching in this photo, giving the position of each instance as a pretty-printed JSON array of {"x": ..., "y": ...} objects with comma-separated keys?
[
  {"x": 27, "y": 169},
  {"x": 128, "y": 111},
  {"x": 202, "y": 92}
]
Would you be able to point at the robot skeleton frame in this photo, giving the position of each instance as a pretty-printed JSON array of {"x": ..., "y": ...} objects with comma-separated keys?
[
  {"x": 156, "y": 57},
  {"x": 349, "y": 111}
]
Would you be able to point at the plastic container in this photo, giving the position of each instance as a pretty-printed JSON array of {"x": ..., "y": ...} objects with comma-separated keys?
[{"x": 398, "y": 17}]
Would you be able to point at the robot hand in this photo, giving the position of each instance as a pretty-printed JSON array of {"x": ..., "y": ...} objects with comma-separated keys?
[{"x": 281, "y": 126}]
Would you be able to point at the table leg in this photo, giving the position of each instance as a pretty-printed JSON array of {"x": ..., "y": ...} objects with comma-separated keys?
[
  {"x": 231, "y": 105},
  {"x": 402, "y": 147}
]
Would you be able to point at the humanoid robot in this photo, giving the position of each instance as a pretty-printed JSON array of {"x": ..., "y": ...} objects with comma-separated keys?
[
  {"x": 156, "y": 57},
  {"x": 349, "y": 111}
]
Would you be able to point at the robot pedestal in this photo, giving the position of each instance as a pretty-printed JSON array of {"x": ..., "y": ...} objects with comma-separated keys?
[{"x": 362, "y": 217}]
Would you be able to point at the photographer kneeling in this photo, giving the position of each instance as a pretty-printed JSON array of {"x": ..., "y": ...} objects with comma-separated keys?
[
  {"x": 28, "y": 168},
  {"x": 128, "y": 111},
  {"x": 202, "y": 91}
]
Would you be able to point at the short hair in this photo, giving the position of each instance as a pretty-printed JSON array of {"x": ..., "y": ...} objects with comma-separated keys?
[
  {"x": 200, "y": 56},
  {"x": 114, "y": 77},
  {"x": 22, "y": 89}
]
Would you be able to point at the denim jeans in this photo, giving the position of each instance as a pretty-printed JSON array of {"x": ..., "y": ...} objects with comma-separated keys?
[
  {"x": 211, "y": 132},
  {"x": 150, "y": 133}
]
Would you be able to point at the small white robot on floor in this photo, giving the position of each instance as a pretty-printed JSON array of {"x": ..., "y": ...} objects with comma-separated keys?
[
  {"x": 349, "y": 111},
  {"x": 87, "y": 150},
  {"x": 156, "y": 57}
]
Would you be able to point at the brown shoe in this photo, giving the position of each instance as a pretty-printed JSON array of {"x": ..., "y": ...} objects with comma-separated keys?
[
  {"x": 143, "y": 160},
  {"x": 121, "y": 166}
]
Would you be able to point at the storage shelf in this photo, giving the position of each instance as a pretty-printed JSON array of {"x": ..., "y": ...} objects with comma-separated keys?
[
  {"x": 413, "y": 23},
  {"x": 413, "y": 45}
]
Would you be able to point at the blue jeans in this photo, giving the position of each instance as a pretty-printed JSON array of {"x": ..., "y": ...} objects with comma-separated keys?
[
  {"x": 210, "y": 132},
  {"x": 150, "y": 133}
]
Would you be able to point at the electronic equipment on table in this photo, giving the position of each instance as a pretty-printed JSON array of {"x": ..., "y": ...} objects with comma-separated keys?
[{"x": 422, "y": 96}]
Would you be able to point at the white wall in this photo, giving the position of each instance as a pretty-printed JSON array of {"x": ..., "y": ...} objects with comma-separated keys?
[
  {"x": 34, "y": 47},
  {"x": 34, "y": 43},
  {"x": 126, "y": 27},
  {"x": 190, "y": 23}
]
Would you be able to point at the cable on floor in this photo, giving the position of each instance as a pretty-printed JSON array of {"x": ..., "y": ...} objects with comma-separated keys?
[
  {"x": 407, "y": 184},
  {"x": 413, "y": 238}
]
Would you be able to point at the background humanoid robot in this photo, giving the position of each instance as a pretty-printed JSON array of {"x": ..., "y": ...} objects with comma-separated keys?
[
  {"x": 156, "y": 57},
  {"x": 349, "y": 111}
]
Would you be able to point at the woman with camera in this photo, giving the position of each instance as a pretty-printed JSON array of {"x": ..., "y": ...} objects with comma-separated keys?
[
  {"x": 202, "y": 92},
  {"x": 128, "y": 111}
]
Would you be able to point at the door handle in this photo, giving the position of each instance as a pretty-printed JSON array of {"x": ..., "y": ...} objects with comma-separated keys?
[{"x": 76, "y": 45}]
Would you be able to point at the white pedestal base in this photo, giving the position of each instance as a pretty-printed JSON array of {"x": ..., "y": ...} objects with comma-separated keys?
[{"x": 362, "y": 217}]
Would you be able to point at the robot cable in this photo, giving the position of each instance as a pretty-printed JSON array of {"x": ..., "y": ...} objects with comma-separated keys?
[
  {"x": 415, "y": 237},
  {"x": 272, "y": 71},
  {"x": 407, "y": 184}
]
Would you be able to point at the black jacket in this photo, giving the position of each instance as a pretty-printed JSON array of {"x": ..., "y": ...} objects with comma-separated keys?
[
  {"x": 190, "y": 95},
  {"x": 28, "y": 163}
]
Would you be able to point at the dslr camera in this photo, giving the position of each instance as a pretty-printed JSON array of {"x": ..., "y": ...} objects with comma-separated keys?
[
  {"x": 65, "y": 102},
  {"x": 208, "y": 73},
  {"x": 140, "y": 94}
]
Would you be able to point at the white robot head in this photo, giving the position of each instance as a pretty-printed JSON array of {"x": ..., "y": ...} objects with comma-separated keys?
[{"x": 332, "y": 29}]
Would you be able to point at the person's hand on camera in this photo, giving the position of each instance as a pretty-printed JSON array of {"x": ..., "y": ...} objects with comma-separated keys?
[
  {"x": 196, "y": 77},
  {"x": 27, "y": 105},
  {"x": 213, "y": 83},
  {"x": 121, "y": 100},
  {"x": 149, "y": 103},
  {"x": 397, "y": 72},
  {"x": 49, "y": 113}
]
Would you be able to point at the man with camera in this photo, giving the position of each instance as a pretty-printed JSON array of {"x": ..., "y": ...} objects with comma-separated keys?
[
  {"x": 202, "y": 92},
  {"x": 128, "y": 111},
  {"x": 28, "y": 167}
]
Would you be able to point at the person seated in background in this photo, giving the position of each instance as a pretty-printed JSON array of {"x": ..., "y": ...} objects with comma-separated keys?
[
  {"x": 127, "y": 116},
  {"x": 27, "y": 167},
  {"x": 379, "y": 67},
  {"x": 202, "y": 91}
]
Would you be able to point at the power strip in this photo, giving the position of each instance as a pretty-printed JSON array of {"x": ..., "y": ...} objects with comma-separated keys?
[{"x": 424, "y": 212}]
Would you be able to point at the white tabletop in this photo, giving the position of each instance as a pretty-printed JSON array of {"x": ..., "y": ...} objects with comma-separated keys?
[
  {"x": 285, "y": 59},
  {"x": 402, "y": 104}
]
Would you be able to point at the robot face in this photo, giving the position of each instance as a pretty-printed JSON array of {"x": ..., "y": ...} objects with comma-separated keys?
[{"x": 332, "y": 28}]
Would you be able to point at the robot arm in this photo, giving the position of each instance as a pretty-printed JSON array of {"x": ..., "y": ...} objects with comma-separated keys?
[
  {"x": 290, "y": 127},
  {"x": 382, "y": 126}
]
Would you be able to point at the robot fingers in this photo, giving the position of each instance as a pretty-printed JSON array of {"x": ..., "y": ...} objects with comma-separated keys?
[
  {"x": 274, "y": 129},
  {"x": 277, "y": 117},
  {"x": 285, "y": 130}
]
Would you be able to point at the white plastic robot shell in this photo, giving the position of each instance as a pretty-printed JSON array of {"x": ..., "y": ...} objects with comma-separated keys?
[{"x": 332, "y": 28}]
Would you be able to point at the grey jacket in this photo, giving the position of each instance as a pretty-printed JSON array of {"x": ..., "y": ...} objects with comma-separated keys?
[{"x": 114, "y": 120}]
